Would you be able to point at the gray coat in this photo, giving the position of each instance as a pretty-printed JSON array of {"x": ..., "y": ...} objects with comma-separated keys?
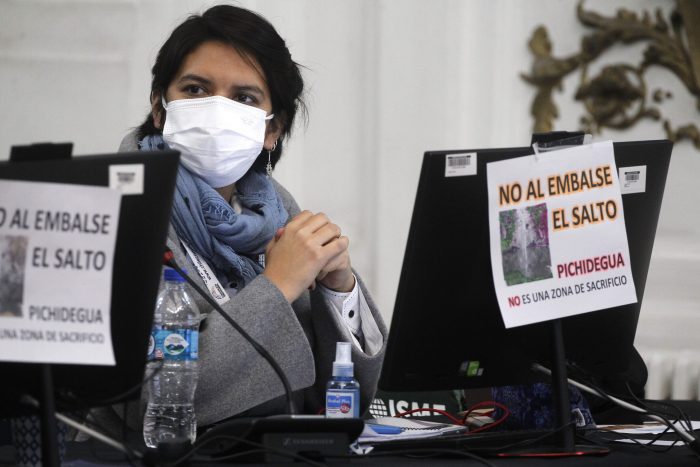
[{"x": 235, "y": 380}]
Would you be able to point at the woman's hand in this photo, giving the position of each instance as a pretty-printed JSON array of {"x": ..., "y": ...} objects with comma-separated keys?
[
  {"x": 337, "y": 273},
  {"x": 309, "y": 247}
]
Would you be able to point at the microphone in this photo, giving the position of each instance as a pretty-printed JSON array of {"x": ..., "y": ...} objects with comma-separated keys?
[{"x": 169, "y": 260}]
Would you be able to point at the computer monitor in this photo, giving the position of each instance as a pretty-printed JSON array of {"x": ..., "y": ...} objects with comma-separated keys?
[
  {"x": 138, "y": 256},
  {"x": 446, "y": 315}
]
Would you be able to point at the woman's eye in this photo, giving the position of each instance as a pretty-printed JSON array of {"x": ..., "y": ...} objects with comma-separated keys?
[
  {"x": 245, "y": 99},
  {"x": 193, "y": 90}
]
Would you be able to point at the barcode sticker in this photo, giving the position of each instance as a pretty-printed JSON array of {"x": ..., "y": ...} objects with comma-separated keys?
[
  {"x": 460, "y": 165},
  {"x": 127, "y": 178},
  {"x": 633, "y": 179}
]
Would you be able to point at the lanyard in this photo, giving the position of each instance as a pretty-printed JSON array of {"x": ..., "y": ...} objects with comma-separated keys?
[{"x": 213, "y": 285}]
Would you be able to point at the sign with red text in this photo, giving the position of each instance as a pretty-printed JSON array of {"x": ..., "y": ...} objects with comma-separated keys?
[
  {"x": 57, "y": 249},
  {"x": 557, "y": 232}
]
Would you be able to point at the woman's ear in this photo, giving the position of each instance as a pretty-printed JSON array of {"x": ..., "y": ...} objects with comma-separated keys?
[
  {"x": 273, "y": 132},
  {"x": 157, "y": 110}
]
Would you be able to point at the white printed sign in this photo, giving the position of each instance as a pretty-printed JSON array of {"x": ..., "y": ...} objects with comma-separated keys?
[
  {"x": 57, "y": 249},
  {"x": 558, "y": 238}
]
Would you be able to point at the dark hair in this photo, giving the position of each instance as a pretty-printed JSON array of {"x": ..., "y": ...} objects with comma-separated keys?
[{"x": 251, "y": 35}]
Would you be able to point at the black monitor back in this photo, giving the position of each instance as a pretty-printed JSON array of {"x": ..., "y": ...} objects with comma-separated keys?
[
  {"x": 446, "y": 313},
  {"x": 143, "y": 225}
]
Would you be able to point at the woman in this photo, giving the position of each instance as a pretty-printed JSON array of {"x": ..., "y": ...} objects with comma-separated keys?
[{"x": 225, "y": 93}]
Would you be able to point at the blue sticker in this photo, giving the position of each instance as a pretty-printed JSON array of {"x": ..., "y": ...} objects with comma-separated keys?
[
  {"x": 341, "y": 404},
  {"x": 173, "y": 344}
]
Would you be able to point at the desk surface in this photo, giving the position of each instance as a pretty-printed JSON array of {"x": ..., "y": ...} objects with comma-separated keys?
[
  {"x": 620, "y": 456},
  {"x": 94, "y": 453}
]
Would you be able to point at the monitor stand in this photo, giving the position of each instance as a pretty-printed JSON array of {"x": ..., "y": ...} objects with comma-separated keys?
[
  {"x": 566, "y": 430},
  {"x": 49, "y": 429}
]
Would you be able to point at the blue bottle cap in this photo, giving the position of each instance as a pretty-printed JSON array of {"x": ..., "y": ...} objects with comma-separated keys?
[{"x": 172, "y": 275}]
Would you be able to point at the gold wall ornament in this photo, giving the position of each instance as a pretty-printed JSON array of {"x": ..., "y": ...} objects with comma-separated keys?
[{"x": 618, "y": 96}]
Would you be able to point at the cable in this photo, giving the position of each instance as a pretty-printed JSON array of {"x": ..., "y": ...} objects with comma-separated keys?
[
  {"x": 529, "y": 442},
  {"x": 444, "y": 413},
  {"x": 483, "y": 450},
  {"x": 282, "y": 452},
  {"x": 207, "y": 437},
  {"x": 169, "y": 260},
  {"x": 681, "y": 416},
  {"x": 669, "y": 425},
  {"x": 125, "y": 428},
  {"x": 473, "y": 407},
  {"x": 463, "y": 421},
  {"x": 87, "y": 430},
  {"x": 687, "y": 437},
  {"x": 236, "y": 455},
  {"x": 83, "y": 403},
  {"x": 432, "y": 452},
  {"x": 648, "y": 444},
  {"x": 488, "y": 426}
]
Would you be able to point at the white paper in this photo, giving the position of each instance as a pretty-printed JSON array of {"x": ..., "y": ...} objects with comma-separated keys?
[
  {"x": 405, "y": 429},
  {"x": 647, "y": 442},
  {"x": 647, "y": 428},
  {"x": 57, "y": 246},
  {"x": 557, "y": 251}
]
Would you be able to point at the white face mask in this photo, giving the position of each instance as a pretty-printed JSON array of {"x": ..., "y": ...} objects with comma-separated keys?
[{"x": 218, "y": 139}]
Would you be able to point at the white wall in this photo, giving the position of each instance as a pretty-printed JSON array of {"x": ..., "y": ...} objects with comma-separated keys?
[{"x": 387, "y": 80}]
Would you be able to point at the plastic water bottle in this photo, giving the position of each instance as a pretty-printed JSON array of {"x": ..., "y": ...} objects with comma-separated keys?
[
  {"x": 173, "y": 347},
  {"x": 343, "y": 390}
]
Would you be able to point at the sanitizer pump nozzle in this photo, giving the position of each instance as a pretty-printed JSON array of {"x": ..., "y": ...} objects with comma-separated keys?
[{"x": 342, "y": 366}]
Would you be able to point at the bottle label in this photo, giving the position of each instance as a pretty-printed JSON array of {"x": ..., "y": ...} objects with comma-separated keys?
[
  {"x": 342, "y": 404},
  {"x": 173, "y": 344}
]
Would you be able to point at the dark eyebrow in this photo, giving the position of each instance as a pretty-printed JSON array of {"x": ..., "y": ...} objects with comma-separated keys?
[
  {"x": 251, "y": 88},
  {"x": 195, "y": 78}
]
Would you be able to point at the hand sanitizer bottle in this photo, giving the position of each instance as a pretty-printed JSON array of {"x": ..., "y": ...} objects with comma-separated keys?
[{"x": 343, "y": 391}]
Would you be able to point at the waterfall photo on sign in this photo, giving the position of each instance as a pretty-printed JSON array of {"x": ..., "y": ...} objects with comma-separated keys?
[
  {"x": 13, "y": 255},
  {"x": 525, "y": 244}
]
